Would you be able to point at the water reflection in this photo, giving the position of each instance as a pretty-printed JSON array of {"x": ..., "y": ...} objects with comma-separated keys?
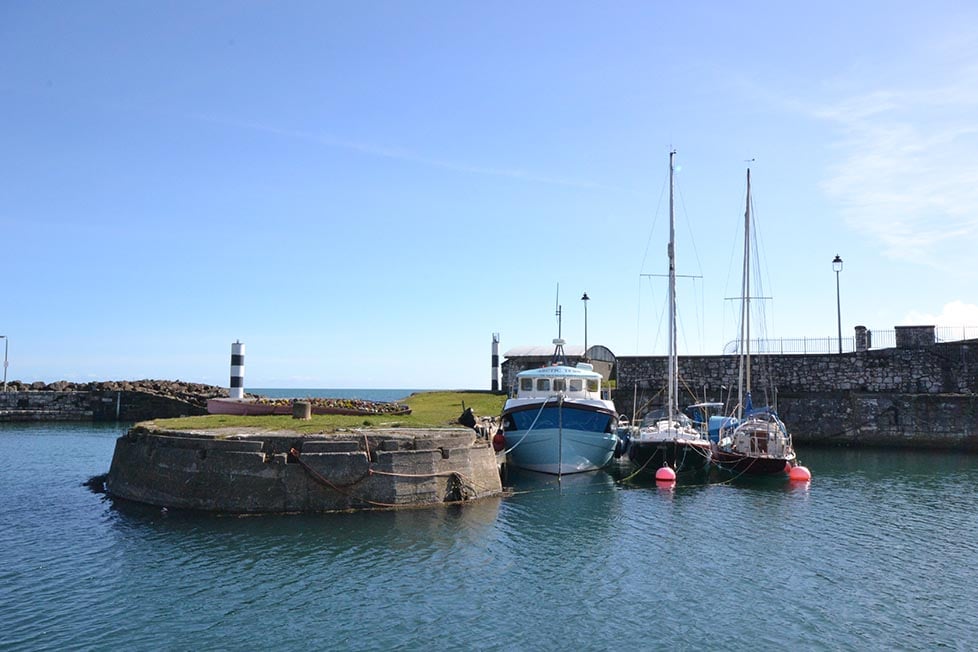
[
  {"x": 225, "y": 533},
  {"x": 522, "y": 481}
]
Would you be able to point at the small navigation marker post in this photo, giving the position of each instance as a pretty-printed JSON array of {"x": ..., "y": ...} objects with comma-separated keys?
[{"x": 236, "y": 388}]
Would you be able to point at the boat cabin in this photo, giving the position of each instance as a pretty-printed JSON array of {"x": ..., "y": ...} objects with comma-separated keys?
[{"x": 573, "y": 382}]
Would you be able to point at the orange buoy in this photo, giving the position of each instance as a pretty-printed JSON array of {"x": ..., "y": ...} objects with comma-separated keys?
[
  {"x": 799, "y": 474},
  {"x": 665, "y": 474}
]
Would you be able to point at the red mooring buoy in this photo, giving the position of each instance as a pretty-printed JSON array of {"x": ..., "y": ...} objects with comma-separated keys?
[
  {"x": 799, "y": 474},
  {"x": 665, "y": 474},
  {"x": 498, "y": 441}
]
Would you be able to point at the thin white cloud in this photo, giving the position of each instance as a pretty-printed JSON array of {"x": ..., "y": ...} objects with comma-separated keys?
[
  {"x": 907, "y": 171},
  {"x": 954, "y": 314},
  {"x": 401, "y": 154}
]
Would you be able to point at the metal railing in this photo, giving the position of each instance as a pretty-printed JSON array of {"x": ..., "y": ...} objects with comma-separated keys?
[
  {"x": 813, "y": 345},
  {"x": 956, "y": 333}
]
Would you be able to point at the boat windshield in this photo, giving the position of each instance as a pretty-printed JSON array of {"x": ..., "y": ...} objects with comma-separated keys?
[{"x": 660, "y": 414}]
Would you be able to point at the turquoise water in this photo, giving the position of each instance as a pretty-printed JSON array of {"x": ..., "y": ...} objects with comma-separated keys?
[{"x": 878, "y": 552}]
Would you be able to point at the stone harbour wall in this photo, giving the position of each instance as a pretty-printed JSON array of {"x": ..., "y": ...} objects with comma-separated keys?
[
  {"x": 92, "y": 406},
  {"x": 105, "y": 401},
  {"x": 853, "y": 418},
  {"x": 47, "y": 406},
  {"x": 920, "y": 393},
  {"x": 950, "y": 368}
]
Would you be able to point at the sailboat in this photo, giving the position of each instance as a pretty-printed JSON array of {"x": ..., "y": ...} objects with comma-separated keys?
[
  {"x": 667, "y": 436},
  {"x": 753, "y": 440}
]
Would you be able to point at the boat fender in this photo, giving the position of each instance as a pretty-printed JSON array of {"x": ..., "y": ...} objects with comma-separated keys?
[
  {"x": 498, "y": 441},
  {"x": 622, "y": 446}
]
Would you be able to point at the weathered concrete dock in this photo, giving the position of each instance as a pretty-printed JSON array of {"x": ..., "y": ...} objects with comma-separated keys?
[{"x": 250, "y": 470}]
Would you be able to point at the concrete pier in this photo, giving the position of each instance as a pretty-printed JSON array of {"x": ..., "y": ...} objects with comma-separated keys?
[{"x": 247, "y": 470}]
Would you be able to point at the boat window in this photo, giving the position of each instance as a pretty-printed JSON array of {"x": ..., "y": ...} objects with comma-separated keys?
[
  {"x": 552, "y": 417},
  {"x": 592, "y": 385},
  {"x": 526, "y": 384},
  {"x": 654, "y": 415},
  {"x": 543, "y": 384},
  {"x": 559, "y": 384},
  {"x": 576, "y": 384}
]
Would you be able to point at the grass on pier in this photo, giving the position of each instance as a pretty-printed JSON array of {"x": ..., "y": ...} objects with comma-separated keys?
[{"x": 428, "y": 410}]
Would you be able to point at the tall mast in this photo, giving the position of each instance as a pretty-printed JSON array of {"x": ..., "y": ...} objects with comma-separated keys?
[
  {"x": 747, "y": 276},
  {"x": 673, "y": 362},
  {"x": 745, "y": 311}
]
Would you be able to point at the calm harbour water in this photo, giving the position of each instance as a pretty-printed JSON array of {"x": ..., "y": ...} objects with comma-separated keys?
[{"x": 878, "y": 552}]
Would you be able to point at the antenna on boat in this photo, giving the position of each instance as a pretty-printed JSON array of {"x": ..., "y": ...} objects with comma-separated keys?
[
  {"x": 558, "y": 357},
  {"x": 557, "y": 303}
]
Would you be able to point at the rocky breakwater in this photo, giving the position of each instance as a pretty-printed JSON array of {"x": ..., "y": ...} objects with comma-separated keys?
[
  {"x": 250, "y": 470},
  {"x": 122, "y": 400}
]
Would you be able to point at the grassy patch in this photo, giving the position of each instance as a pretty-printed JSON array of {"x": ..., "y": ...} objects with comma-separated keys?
[{"x": 428, "y": 410}]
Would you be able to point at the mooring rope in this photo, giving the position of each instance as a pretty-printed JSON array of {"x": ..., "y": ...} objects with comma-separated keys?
[
  {"x": 467, "y": 488},
  {"x": 462, "y": 478},
  {"x": 318, "y": 477},
  {"x": 537, "y": 417}
]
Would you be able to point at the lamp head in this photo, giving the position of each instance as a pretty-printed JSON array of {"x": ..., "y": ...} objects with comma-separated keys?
[{"x": 837, "y": 263}]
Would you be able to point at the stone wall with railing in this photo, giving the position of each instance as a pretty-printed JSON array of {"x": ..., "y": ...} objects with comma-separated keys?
[
  {"x": 920, "y": 393},
  {"x": 938, "y": 369}
]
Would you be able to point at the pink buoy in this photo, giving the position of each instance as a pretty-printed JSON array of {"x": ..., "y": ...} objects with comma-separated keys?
[
  {"x": 665, "y": 474},
  {"x": 787, "y": 468},
  {"x": 799, "y": 474}
]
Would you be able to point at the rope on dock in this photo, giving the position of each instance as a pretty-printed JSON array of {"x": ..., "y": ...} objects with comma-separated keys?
[
  {"x": 321, "y": 479},
  {"x": 462, "y": 487}
]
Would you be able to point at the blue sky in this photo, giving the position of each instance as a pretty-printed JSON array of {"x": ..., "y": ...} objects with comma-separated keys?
[{"x": 363, "y": 193}]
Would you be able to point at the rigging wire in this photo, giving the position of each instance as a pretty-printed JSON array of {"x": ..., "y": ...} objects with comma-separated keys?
[
  {"x": 645, "y": 256},
  {"x": 700, "y": 320}
]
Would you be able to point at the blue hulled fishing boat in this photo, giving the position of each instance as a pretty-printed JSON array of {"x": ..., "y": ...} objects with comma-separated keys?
[{"x": 558, "y": 420}]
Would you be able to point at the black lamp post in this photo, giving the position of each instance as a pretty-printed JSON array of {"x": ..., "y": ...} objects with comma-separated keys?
[
  {"x": 837, "y": 267},
  {"x": 585, "y": 299}
]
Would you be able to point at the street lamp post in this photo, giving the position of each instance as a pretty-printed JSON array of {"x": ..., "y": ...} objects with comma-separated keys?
[
  {"x": 837, "y": 267},
  {"x": 585, "y": 299}
]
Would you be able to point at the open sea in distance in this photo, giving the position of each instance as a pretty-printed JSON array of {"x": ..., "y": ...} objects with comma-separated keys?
[
  {"x": 383, "y": 395},
  {"x": 878, "y": 552}
]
